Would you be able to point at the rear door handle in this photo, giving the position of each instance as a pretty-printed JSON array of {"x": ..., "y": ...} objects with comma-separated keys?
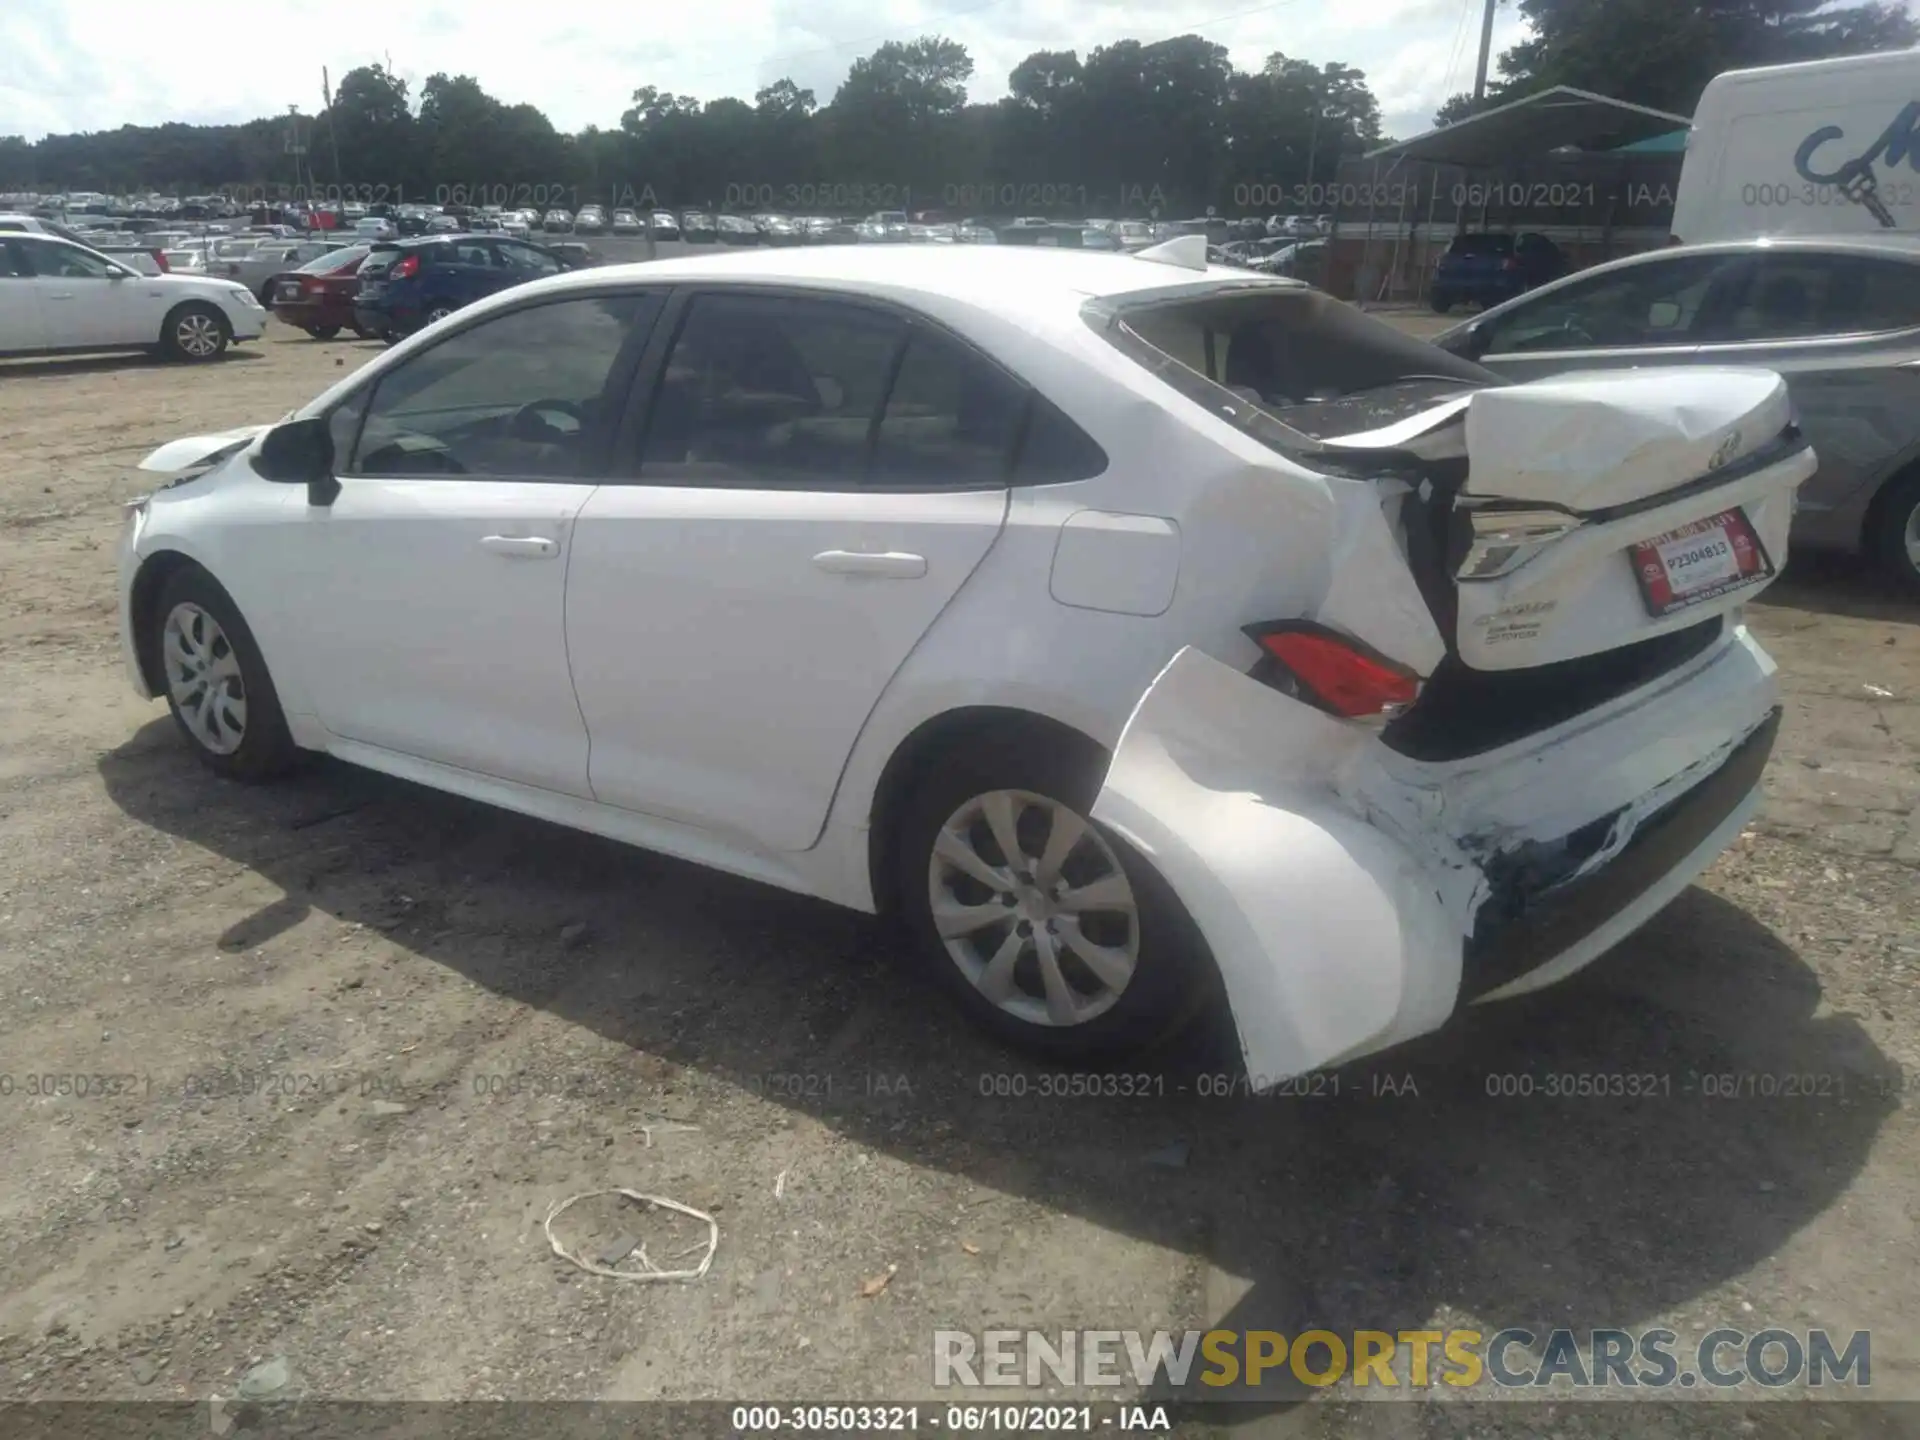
[
  {"x": 887, "y": 564},
  {"x": 526, "y": 547}
]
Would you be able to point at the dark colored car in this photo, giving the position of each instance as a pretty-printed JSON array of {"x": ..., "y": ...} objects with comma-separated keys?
[
  {"x": 1491, "y": 267},
  {"x": 408, "y": 284},
  {"x": 318, "y": 297},
  {"x": 697, "y": 227}
]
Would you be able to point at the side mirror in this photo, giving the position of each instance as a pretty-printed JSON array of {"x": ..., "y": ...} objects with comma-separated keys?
[
  {"x": 300, "y": 452},
  {"x": 1475, "y": 340}
]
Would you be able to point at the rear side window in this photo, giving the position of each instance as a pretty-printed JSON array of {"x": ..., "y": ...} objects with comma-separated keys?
[
  {"x": 766, "y": 391},
  {"x": 1800, "y": 296},
  {"x": 1054, "y": 449},
  {"x": 951, "y": 419}
]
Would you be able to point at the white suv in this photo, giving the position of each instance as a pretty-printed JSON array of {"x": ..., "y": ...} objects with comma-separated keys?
[{"x": 57, "y": 296}]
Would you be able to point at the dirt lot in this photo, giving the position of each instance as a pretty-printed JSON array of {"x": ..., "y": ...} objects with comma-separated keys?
[{"x": 360, "y": 1036}]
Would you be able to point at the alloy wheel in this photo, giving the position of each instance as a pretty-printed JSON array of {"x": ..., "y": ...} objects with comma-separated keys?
[
  {"x": 204, "y": 679},
  {"x": 1911, "y": 539},
  {"x": 1034, "y": 908},
  {"x": 197, "y": 335}
]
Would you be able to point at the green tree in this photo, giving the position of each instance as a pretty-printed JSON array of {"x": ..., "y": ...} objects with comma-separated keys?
[{"x": 1662, "y": 53}]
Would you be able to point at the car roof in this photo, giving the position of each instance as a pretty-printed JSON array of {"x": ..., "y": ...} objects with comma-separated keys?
[{"x": 998, "y": 276}]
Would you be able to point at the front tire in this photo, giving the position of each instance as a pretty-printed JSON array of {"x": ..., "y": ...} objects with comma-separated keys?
[
  {"x": 216, "y": 681},
  {"x": 1442, "y": 302},
  {"x": 1896, "y": 537},
  {"x": 323, "y": 332},
  {"x": 195, "y": 333},
  {"x": 1049, "y": 931}
]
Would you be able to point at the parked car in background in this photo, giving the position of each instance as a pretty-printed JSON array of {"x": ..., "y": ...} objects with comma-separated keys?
[
  {"x": 886, "y": 227},
  {"x": 736, "y": 230},
  {"x": 406, "y": 285},
  {"x": 779, "y": 229},
  {"x": 697, "y": 227},
  {"x": 975, "y": 232},
  {"x": 1303, "y": 260},
  {"x": 185, "y": 262},
  {"x": 625, "y": 222},
  {"x": 663, "y": 225},
  {"x": 1339, "y": 787},
  {"x": 592, "y": 220},
  {"x": 557, "y": 221},
  {"x": 827, "y": 230},
  {"x": 515, "y": 223},
  {"x": 1838, "y": 318},
  {"x": 370, "y": 228},
  {"x": 318, "y": 296},
  {"x": 1487, "y": 267},
  {"x": 58, "y": 296},
  {"x": 258, "y": 268}
]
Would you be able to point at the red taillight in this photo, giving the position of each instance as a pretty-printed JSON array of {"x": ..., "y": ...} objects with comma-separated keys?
[
  {"x": 308, "y": 284},
  {"x": 405, "y": 269},
  {"x": 1509, "y": 264},
  {"x": 160, "y": 259},
  {"x": 1337, "y": 674}
]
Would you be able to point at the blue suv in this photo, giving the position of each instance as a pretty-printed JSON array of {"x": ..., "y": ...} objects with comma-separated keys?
[
  {"x": 408, "y": 284},
  {"x": 1489, "y": 267}
]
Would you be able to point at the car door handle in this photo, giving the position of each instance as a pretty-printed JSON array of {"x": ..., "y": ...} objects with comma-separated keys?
[
  {"x": 526, "y": 547},
  {"x": 887, "y": 564}
]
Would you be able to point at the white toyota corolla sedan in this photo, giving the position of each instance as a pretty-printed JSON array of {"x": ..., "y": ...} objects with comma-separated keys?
[{"x": 1136, "y": 631}]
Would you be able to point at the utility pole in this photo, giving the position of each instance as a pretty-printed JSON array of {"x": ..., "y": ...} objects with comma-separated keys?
[
  {"x": 333, "y": 135},
  {"x": 1486, "y": 52}
]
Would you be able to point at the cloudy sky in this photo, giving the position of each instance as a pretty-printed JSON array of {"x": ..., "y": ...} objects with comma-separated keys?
[{"x": 96, "y": 64}]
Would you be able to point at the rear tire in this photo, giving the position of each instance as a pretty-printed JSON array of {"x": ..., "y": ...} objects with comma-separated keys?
[
  {"x": 1441, "y": 303},
  {"x": 1151, "y": 974},
  {"x": 322, "y": 332},
  {"x": 195, "y": 332},
  {"x": 1896, "y": 532},
  {"x": 216, "y": 681}
]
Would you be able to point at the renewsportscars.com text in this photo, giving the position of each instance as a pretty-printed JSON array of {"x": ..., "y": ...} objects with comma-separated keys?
[{"x": 1511, "y": 1358}]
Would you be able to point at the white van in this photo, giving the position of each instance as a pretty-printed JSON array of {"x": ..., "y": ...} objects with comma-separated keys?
[{"x": 1830, "y": 147}]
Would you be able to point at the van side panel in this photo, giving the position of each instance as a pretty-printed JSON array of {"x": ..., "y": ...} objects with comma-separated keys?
[{"x": 1831, "y": 147}]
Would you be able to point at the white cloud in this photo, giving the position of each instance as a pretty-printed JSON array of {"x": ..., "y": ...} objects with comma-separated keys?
[{"x": 72, "y": 65}]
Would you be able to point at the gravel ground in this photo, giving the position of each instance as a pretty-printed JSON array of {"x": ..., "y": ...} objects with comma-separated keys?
[{"x": 363, "y": 1035}]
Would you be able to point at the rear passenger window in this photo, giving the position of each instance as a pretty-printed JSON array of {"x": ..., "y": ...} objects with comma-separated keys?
[
  {"x": 951, "y": 420},
  {"x": 767, "y": 391}
]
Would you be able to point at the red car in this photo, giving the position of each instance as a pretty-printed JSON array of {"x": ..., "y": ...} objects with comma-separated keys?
[{"x": 318, "y": 297}]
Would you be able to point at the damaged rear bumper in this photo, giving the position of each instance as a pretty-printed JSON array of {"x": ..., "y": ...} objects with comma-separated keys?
[{"x": 1353, "y": 898}]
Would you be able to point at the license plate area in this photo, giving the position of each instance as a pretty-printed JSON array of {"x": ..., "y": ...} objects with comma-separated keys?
[{"x": 1699, "y": 563}]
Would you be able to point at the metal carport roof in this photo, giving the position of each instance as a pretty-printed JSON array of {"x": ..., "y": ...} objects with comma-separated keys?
[{"x": 1534, "y": 126}]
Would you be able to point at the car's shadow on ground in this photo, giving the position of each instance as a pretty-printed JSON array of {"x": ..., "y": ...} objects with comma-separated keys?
[
  {"x": 101, "y": 364},
  {"x": 1431, "y": 1184},
  {"x": 1826, "y": 583}
]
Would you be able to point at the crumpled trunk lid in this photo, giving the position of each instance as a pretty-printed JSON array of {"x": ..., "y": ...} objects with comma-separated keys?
[{"x": 1576, "y": 516}]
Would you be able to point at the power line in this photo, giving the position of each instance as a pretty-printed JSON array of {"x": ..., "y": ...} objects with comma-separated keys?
[{"x": 1453, "y": 51}]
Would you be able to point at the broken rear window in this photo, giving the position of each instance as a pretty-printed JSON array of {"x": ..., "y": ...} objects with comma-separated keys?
[{"x": 1288, "y": 365}]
